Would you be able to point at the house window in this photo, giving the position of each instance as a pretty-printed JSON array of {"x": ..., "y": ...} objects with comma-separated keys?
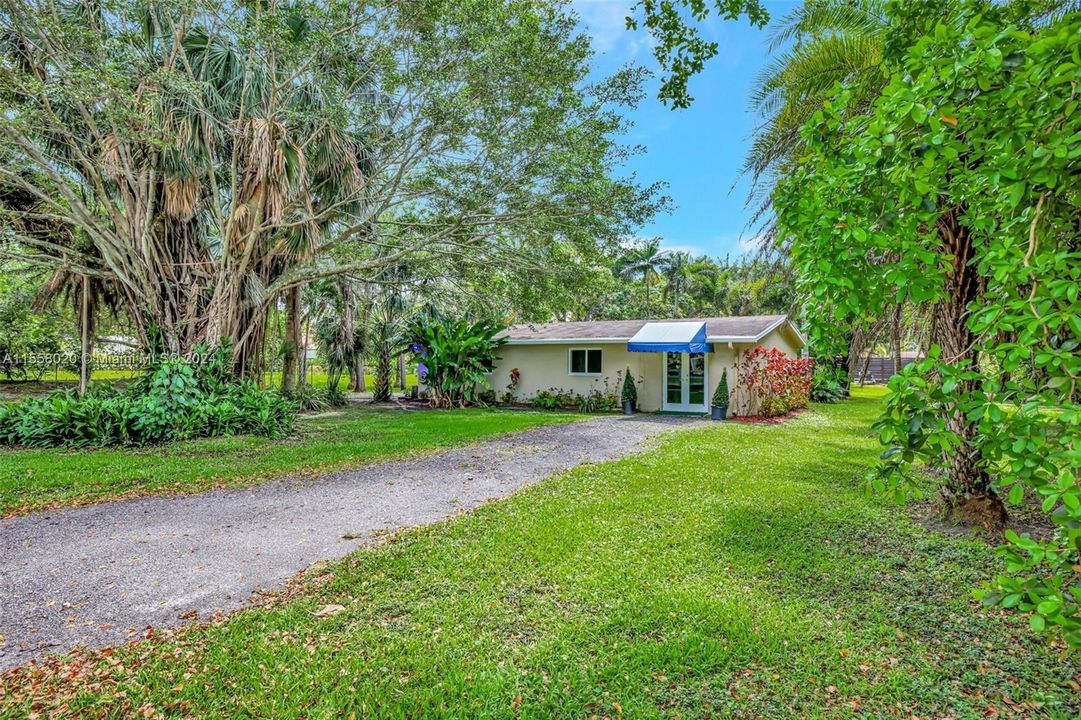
[{"x": 585, "y": 362}]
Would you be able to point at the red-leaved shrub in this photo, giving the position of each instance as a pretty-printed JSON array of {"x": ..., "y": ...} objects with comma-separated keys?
[{"x": 774, "y": 382}]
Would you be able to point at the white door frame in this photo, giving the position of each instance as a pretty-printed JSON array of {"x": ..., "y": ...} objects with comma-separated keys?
[{"x": 685, "y": 385}]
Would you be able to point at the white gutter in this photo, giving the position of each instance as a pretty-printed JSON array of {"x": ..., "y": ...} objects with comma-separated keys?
[{"x": 734, "y": 338}]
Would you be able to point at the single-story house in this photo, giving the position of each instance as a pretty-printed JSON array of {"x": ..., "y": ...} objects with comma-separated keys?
[{"x": 676, "y": 363}]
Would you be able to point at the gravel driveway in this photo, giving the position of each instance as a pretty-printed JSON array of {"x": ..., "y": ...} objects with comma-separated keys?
[{"x": 101, "y": 574}]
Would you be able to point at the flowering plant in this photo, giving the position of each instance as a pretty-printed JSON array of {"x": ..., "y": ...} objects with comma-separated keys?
[{"x": 775, "y": 383}]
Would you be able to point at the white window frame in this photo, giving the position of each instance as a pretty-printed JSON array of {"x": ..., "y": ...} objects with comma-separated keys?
[{"x": 570, "y": 354}]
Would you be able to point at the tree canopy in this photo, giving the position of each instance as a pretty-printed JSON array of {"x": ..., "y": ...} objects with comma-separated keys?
[
  {"x": 679, "y": 47},
  {"x": 957, "y": 190},
  {"x": 207, "y": 157}
]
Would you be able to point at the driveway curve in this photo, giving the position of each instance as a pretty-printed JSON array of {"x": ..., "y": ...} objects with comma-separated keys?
[{"x": 99, "y": 575}]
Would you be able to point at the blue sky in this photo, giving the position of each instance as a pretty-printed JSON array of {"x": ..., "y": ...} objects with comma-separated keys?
[{"x": 697, "y": 151}]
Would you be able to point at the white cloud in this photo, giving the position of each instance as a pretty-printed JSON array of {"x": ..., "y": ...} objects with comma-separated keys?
[
  {"x": 715, "y": 247},
  {"x": 718, "y": 245},
  {"x": 606, "y": 23},
  {"x": 750, "y": 243}
]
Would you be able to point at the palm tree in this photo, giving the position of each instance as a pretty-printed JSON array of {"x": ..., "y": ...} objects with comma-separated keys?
[
  {"x": 683, "y": 272},
  {"x": 677, "y": 277},
  {"x": 644, "y": 261},
  {"x": 389, "y": 320},
  {"x": 394, "y": 307},
  {"x": 817, "y": 45},
  {"x": 199, "y": 212},
  {"x": 707, "y": 289},
  {"x": 336, "y": 328}
]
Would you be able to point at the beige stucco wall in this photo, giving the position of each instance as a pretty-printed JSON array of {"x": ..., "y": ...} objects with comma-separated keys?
[
  {"x": 720, "y": 360},
  {"x": 546, "y": 366},
  {"x": 543, "y": 367},
  {"x": 785, "y": 340}
]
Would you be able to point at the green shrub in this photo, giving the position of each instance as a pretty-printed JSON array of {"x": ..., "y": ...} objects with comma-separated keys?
[
  {"x": 597, "y": 400},
  {"x": 309, "y": 399},
  {"x": 544, "y": 400},
  {"x": 604, "y": 400},
  {"x": 335, "y": 397},
  {"x": 554, "y": 398},
  {"x": 630, "y": 392},
  {"x": 174, "y": 400},
  {"x": 828, "y": 384},
  {"x": 588, "y": 403},
  {"x": 456, "y": 356},
  {"x": 720, "y": 395}
]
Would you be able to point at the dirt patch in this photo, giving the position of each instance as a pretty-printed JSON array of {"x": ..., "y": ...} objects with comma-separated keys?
[
  {"x": 775, "y": 420},
  {"x": 929, "y": 514},
  {"x": 984, "y": 511}
]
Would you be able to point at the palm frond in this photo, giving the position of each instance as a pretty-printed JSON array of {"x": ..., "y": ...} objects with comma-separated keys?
[
  {"x": 819, "y": 18},
  {"x": 816, "y": 47}
]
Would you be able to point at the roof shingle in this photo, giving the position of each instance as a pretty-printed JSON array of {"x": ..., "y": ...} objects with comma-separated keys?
[{"x": 746, "y": 328}]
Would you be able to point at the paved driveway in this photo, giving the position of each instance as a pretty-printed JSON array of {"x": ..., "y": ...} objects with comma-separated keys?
[{"x": 101, "y": 574}]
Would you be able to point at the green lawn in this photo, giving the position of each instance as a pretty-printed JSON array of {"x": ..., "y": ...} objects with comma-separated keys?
[
  {"x": 735, "y": 570},
  {"x": 350, "y": 436}
]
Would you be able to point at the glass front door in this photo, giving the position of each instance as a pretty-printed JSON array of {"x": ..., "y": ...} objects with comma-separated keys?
[{"x": 685, "y": 382}]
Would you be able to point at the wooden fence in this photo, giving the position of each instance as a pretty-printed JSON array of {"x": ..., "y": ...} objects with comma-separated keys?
[{"x": 876, "y": 370}]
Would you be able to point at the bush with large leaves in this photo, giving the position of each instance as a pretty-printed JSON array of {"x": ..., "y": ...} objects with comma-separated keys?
[
  {"x": 457, "y": 354},
  {"x": 174, "y": 400}
]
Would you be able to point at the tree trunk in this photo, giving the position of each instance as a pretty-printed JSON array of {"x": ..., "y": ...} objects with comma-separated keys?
[
  {"x": 855, "y": 354},
  {"x": 302, "y": 352},
  {"x": 84, "y": 337},
  {"x": 291, "y": 346},
  {"x": 401, "y": 372},
  {"x": 843, "y": 361},
  {"x": 382, "y": 373},
  {"x": 248, "y": 345},
  {"x": 967, "y": 493},
  {"x": 360, "y": 383},
  {"x": 897, "y": 338}
]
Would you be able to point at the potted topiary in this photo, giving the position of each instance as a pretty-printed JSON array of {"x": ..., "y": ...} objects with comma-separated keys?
[
  {"x": 720, "y": 398},
  {"x": 629, "y": 395}
]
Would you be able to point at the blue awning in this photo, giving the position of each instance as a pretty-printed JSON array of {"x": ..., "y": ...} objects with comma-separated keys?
[{"x": 688, "y": 337}]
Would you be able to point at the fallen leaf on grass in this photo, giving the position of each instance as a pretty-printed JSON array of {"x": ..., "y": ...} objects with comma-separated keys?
[{"x": 329, "y": 610}]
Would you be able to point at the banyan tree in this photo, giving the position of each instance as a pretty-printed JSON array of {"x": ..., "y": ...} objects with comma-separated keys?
[{"x": 208, "y": 158}]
